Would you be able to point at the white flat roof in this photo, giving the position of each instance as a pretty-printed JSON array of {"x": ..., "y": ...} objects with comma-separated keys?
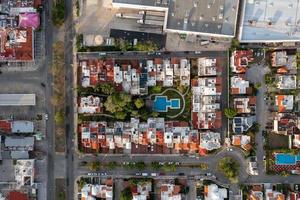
[
  {"x": 17, "y": 100},
  {"x": 270, "y": 21}
]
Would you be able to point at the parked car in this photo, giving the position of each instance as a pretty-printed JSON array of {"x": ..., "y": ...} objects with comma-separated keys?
[
  {"x": 138, "y": 174},
  {"x": 46, "y": 117},
  {"x": 154, "y": 174},
  {"x": 181, "y": 174},
  {"x": 144, "y": 174}
]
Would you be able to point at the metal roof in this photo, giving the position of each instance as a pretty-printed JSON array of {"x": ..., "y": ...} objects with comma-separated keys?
[
  {"x": 270, "y": 21},
  {"x": 17, "y": 100}
]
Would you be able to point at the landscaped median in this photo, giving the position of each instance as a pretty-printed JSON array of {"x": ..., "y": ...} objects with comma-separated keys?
[
  {"x": 58, "y": 98},
  {"x": 140, "y": 165}
]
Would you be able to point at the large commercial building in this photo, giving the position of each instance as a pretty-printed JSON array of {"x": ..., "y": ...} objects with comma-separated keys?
[
  {"x": 213, "y": 18},
  {"x": 268, "y": 21}
]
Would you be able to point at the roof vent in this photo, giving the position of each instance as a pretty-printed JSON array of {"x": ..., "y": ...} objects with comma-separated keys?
[{"x": 291, "y": 5}]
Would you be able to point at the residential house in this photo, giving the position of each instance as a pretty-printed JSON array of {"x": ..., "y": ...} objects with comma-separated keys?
[
  {"x": 256, "y": 192},
  {"x": 213, "y": 191},
  {"x": 240, "y": 60},
  {"x": 90, "y": 105},
  {"x": 170, "y": 191},
  {"x": 287, "y": 82},
  {"x": 141, "y": 191},
  {"x": 244, "y": 104},
  {"x": 284, "y": 62},
  {"x": 97, "y": 191},
  {"x": 286, "y": 123},
  {"x": 210, "y": 140},
  {"x": 284, "y": 103},
  {"x": 271, "y": 195},
  {"x": 252, "y": 165},
  {"x": 239, "y": 85},
  {"x": 296, "y": 141},
  {"x": 24, "y": 172},
  {"x": 243, "y": 141},
  {"x": 242, "y": 124}
]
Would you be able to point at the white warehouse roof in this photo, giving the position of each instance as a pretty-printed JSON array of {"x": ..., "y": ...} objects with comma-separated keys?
[
  {"x": 270, "y": 21},
  {"x": 17, "y": 100}
]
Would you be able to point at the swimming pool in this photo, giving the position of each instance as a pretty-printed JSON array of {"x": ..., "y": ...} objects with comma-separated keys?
[
  {"x": 286, "y": 159},
  {"x": 161, "y": 104}
]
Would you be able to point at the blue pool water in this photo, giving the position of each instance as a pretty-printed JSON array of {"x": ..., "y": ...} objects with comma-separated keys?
[
  {"x": 286, "y": 159},
  {"x": 161, "y": 104}
]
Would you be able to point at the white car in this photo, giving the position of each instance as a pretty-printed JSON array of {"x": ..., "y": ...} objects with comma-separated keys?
[{"x": 46, "y": 117}]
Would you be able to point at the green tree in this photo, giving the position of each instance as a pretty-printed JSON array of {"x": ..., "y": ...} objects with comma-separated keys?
[
  {"x": 135, "y": 114},
  {"x": 139, "y": 103},
  {"x": 230, "y": 113},
  {"x": 126, "y": 194},
  {"x": 81, "y": 183}
]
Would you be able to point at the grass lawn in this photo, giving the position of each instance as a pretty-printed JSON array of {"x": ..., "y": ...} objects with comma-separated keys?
[{"x": 278, "y": 141}]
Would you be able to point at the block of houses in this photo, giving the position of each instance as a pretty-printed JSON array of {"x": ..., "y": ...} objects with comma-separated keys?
[
  {"x": 239, "y": 85},
  {"x": 287, "y": 82},
  {"x": 243, "y": 141},
  {"x": 206, "y": 113},
  {"x": 284, "y": 103},
  {"x": 90, "y": 104},
  {"x": 213, "y": 191},
  {"x": 95, "y": 191},
  {"x": 244, "y": 104},
  {"x": 210, "y": 140},
  {"x": 242, "y": 124},
  {"x": 169, "y": 191},
  {"x": 135, "y": 76},
  {"x": 240, "y": 59},
  {"x": 286, "y": 123},
  {"x": 153, "y": 136}
]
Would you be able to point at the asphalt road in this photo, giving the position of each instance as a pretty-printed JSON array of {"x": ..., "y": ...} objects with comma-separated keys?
[
  {"x": 48, "y": 93},
  {"x": 69, "y": 36},
  {"x": 151, "y": 55}
]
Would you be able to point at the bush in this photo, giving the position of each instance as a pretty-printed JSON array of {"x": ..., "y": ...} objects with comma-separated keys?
[{"x": 139, "y": 103}]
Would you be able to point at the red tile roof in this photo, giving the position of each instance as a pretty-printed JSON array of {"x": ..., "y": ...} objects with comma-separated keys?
[{"x": 15, "y": 195}]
